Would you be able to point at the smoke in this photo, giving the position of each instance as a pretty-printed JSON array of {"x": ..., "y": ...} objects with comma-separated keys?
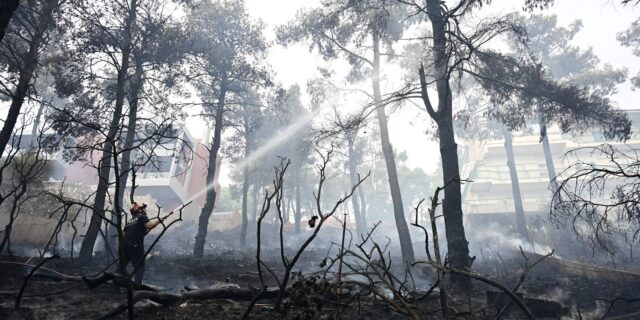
[{"x": 492, "y": 237}]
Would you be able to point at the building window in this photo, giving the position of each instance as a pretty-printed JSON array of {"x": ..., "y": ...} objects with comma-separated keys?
[{"x": 158, "y": 164}]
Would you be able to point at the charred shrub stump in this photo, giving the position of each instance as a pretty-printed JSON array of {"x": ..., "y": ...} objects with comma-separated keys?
[{"x": 321, "y": 215}]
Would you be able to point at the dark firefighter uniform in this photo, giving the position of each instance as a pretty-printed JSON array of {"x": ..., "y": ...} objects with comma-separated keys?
[{"x": 134, "y": 233}]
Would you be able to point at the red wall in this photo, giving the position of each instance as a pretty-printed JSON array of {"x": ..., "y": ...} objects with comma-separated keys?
[{"x": 199, "y": 173}]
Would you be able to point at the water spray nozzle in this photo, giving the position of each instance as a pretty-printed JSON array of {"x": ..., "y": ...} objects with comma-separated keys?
[{"x": 182, "y": 206}]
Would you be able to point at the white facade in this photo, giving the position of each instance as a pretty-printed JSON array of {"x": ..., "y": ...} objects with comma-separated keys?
[{"x": 485, "y": 163}]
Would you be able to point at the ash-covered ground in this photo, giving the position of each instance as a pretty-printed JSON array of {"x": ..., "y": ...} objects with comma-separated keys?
[{"x": 555, "y": 288}]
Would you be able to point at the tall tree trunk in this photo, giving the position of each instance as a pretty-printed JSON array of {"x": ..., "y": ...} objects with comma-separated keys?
[
  {"x": 363, "y": 209},
  {"x": 248, "y": 144},
  {"x": 360, "y": 227},
  {"x": 131, "y": 129},
  {"x": 254, "y": 204},
  {"x": 210, "y": 201},
  {"x": 7, "y": 236},
  {"x": 297, "y": 215},
  {"x": 36, "y": 121},
  {"x": 285, "y": 208},
  {"x": 521, "y": 223},
  {"x": 7, "y": 8},
  {"x": 117, "y": 210},
  {"x": 401, "y": 223},
  {"x": 26, "y": 72},
  {"x": 290, "y": 212},
  {"x": 86, "y": 249},
  {"x": 13, "y": 214},
  {"x": 125, "y": 166},
  {"x": 548, "y": 157},
  {"x": 245, "y": 195},
  {"x": 457, "y": 244}
]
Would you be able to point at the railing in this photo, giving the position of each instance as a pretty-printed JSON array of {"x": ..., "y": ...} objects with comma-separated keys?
[
  {"x": 487, "y": 175},
  {"x": 154, "y": 175},
  {"x": 506, "y": 204}
]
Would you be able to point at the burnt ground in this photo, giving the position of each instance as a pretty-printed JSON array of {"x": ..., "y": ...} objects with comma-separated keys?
[
  {"x": 169, "y": 274},
  {"x": 582, "y": 290}
]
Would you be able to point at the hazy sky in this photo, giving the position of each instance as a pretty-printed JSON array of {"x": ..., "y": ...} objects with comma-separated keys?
[{"x": 602, "y": 20}]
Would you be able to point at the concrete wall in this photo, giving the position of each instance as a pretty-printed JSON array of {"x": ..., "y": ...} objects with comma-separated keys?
[{"x": 485, "y": 163}]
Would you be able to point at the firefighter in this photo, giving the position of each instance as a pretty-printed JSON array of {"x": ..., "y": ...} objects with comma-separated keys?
[{"x": 134, "y": 233}]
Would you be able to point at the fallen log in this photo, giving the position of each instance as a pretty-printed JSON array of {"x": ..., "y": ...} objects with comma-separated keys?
[
  {"x": 231, "y": 293},
  {"x": 169, "y": 299},
  {"x": 629, "y": 316},
  {"x": 43, "y": 272},
  {"x": 592, "y": 271},
  {"x": 119, "y": 279},
  {"x": 57, "y": 278}
]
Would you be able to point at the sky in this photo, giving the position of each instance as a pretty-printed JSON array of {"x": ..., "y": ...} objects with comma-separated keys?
[{"x": 602, "y": 20}]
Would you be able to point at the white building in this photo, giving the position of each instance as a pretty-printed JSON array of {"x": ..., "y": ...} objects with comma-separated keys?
[{"x": 489, "y": 196}]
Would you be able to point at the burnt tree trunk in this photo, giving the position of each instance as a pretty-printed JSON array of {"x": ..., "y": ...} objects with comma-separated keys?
[
  {"x": 210, "y": 200},
  {"x": 457, "y": 244},
  {"x": 13, "y": 215},
  {"x": 360, "y": 227},
  {"x": 521, "y": 224},
  {"x": 297, "y": 214},
  {"x": 387, "y": 149},
  {"x": 36, "y": 121},
  {"x": 245, "y": 196},
  {"x": 285, "y": 207},
  {"x": 27, "y": 70},
  {"x": 254, "y": 203},
  {"x": 290, "y": 204},
  {"x": 7, "y": 8},
  {"x": 363, "y": 209},
  {"x": 248, "y": 145},
  {"x": 125, "y": 166},
  {"x": 548, "y": 157},
  {"x": 7, "y": 236},
  {"x": 86, "y": 250},
  {"x": 131, "y": 130},
  {"x": 117, "y": 216}
]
